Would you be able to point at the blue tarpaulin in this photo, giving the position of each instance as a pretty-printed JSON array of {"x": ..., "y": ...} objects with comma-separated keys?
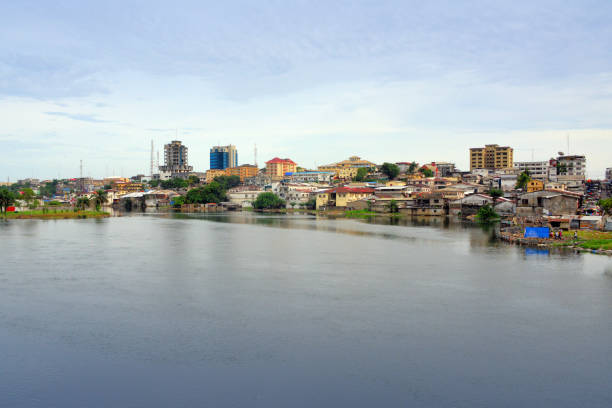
[{"x": 537, "y": 232}]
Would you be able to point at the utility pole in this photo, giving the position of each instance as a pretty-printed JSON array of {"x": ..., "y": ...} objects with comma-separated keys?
[
  {"x": 151, "y": 158},
  {"x": 81, "y": 169}
]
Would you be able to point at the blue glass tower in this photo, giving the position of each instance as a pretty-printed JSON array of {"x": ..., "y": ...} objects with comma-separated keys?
[{"x": 222, "y": 157}]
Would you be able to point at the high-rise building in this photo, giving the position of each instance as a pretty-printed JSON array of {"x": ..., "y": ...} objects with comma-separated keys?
[
  {"x": 609, "y": 173},
  {"x": 245, "y": 171},
  {"x": 175, "y": 158},
  {"x": 538, "y": 170},
  {"x": 491, "y": 157},
  {"x": 222, "y": 157},
  {"x": 278, "y": 167}
]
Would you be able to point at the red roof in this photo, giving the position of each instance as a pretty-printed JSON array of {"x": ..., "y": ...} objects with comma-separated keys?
[
  {"x": 356, "y": 190},
  {"x": 277, "y": 160}
]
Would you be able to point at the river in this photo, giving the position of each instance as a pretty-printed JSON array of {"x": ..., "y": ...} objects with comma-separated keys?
[{"x": 246, "y": 310}]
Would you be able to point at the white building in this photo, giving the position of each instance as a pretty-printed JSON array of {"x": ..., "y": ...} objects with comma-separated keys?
[
  {"x": 569, "y": 166},
  {"x": 538, "y": 170},
  {"x": 311, "y": 176},
  {"x": 244, "y": 198}
]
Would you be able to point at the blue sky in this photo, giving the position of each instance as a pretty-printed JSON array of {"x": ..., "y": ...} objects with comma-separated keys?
[{"x": 316, "y": 81}]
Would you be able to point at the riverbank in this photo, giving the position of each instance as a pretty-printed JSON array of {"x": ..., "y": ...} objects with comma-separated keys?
[
  {"x": 55, "y": 215},
  {"x": 597, "y": 242}
]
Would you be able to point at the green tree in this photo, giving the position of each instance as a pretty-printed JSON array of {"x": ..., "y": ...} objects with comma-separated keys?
[
  {"x": 393, "y": 207},
  {"x": 390, "y": 170},
  {"x": 362, "y": 173},
  {"x": 82, "y": 203},
  {"x": 228, "y": 182},
  {"x": 522, "y": 180},
  {"x": 495, "y": 193},
  {"x": 193, "y": 180},
  {"x": 606, "y": 205},
  {"x": 486, "y": 213},
  {"x": 174, "y": 183},
  {"x": 100, "y": 198},
  {"x": 268, "y": 201},
  {"x": 49, "y": 188},
  {"x": 178, "y": 201},
  {"x": 562, "y": 168},
  {"x": 311, "y": 204},
  {"x": 27, "y": 195},
  {"x": 412, "y": 167},
  {"x": 7, "y": 198},
  {"x": 426, "y": 172},
  {"x": 210, "y": 193}
]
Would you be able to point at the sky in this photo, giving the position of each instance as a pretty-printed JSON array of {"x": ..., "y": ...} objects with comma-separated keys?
[{"x": 315, "y": 81}]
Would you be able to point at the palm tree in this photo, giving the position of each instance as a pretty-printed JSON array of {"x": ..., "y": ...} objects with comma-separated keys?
[
  {"x": 100, "y": 198},
  {"x": 82, "y": 203}
]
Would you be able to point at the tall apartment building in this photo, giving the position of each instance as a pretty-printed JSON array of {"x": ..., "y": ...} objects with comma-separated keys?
[
  {"x": 491, "y": 157},
  {"x": 538, "y": 170},
  {"x": 222, "y": 157},
  {"x": 569, "y": 165},
  {"x": 609, "y": 173},
  {"x": 278, "y": 167},
  {"x": 175, "y": 158}
]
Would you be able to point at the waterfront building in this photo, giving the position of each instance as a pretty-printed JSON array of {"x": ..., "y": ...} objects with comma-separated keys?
[
  {"x": 538, "y": 170},
  {"x": 223, "y": 157},
  {"x": 176, "y": 158},
  {"x": 547, "y": 202},
  {"x": 277, "y": 168},
  {"x": 244, "y": 171},
  {"x": 243, "y": 196},
  {"x": 341, "y": 196},
  {"x": 491, "y": 157}
]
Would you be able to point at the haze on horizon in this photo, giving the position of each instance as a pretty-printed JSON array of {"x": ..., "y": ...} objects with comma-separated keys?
[{"x": 315, "y": 81}]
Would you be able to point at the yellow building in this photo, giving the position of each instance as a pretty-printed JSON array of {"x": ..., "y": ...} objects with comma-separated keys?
[
  {"x": 278, "y": 167},
  {"x": 347, "y": 169},
  {"x": 214, "y": 173},
  {"x": 535, "y": 185},
  {"x": 245, "y": 171},
  {"x": 126, "y": 188},
  {"x": 341, "y": 196},
  {"x": 395, "y": 183},
  {"x": 491, "y": 157}
]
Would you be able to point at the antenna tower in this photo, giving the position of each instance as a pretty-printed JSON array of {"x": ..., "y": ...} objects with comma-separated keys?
[
  {"x": 151, "y": 158},
  {"x": 255, "y": 154},
  {"x": 81, "y": 169}
]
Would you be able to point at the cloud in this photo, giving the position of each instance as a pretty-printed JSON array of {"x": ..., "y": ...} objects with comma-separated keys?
[{"x": 79, "y": 116}]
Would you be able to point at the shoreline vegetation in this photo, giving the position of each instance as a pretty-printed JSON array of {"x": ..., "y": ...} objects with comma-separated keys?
[
  {"x": 55, "y": 214},
  {"x": 597, "y": 242}
]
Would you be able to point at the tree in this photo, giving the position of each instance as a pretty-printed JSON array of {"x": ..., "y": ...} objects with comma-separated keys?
[
  {"x": 82, "y": 203},
  {"x": 48, "y": 190},
  {"x": 426, "y": 172},
  {"x": 393, "y": 207},
  {"x": 7, "y": 198},
  {"x": 606, "y": 205},
  {"x": 522, "y": 180},
  {"x": 362, "y": 172},
  {"x": 412, "y": 167},
  {"x": 210, "y": 193},
  {"x": 27, "y": 195},
  {"x": 178, "y": 201},
  {"x": 100, "y": 198},
  {"x": 562, "y": 168},
  {"x": 311, "y": 204},
  {"x": 174, "y": 183},
  {"x": 390, "y": 170},
  {"x": 486, "y": 213},
  {"x": 495, "y": 193},
  {"x": 193, "y": 180},
  {"x": 268, "y": 201},
  {"x": 227, "y": 182}
]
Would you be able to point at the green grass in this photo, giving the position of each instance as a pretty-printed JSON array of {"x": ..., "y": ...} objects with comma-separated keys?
[
  {"x": 55, "y": 214},
  {"x": 597, "y": 244},
  {"x": 359, "y": 213}
]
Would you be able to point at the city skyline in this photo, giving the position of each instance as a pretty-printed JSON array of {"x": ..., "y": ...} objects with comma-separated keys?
[{"x": 314, "y": 82}]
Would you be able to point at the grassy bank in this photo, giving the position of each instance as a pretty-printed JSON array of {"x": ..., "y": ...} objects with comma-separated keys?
[
  {"x": 55, "y": 214},
  {"x": 597, "y": 240},
  {"x": 368, "y": 214}
]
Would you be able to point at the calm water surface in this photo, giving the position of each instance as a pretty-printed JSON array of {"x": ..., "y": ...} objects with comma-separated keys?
[{"x": 242, "y": 310}]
